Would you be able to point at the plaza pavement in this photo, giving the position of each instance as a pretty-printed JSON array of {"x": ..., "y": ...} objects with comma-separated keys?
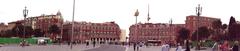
[
  {"x": 109, "y": 48},
  {"x": 81, "y": 47}
]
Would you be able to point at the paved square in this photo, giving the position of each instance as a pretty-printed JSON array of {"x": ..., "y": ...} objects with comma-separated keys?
[{"x": 81, "y": 47}]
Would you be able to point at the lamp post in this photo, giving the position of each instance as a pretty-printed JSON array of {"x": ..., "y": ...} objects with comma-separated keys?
[
  {"x": 198, "y": 12},
  {"x": 136, "y": 15},
  {"x": 71, "y": 43},
  {"x": 25, "y": 13}
]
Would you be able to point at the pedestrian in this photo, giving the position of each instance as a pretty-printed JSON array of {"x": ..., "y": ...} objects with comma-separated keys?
[
  {"x": 87, "y": 43},
  {"x": 215, "y": 47},
  {"x": 187, "y": 46},
  {"x": 167, "y": 47},
  {"x": 138, "y": 46},
  {"x": 163, "y": 47},
  {"x": 146, "y": 45},
  {"x": 134, "y": 46},
  {"x": 235, "y": 46},
  {"x": 68, "y": 42},
  {"x": 129, "y": 44},
  {"x": 94, "y": 43},
  {"x": 225, "y": 46},
  {"x": 179, "y": 48}
]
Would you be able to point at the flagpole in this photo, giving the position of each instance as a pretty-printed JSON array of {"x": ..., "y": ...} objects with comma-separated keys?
[
  {"x": 148, "y": 18},
  {"x": 71, "y": 43}
]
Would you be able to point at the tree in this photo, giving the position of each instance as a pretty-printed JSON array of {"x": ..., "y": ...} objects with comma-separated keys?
[
  {"x": 234, "y": 32},
  {"x": 224, "y": 26},
  {"x": 54, "y": 31},
  {"x": 224, "y": 35},
  {"x": 29, "y": 31},
  {"x": 17, "y": 30},
  {"x": 232, "y": 21},
  {"x": 38, "y": 33},
  {"x": 233, "y": 29},
  {"x": 217, "y": 24},
  {"x": 184, "y": 34},
  {"x": 203, "y": 33},
  {"x": 7, "y": 33},
  {"x": 216, "y": 29}
]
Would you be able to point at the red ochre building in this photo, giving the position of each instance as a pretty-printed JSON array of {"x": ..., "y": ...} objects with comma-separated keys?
[
  {"x": 166, "y": 33},
  {"x": 192, "y": 22},
  {"x": 43, "y": 22},
  {"x": 86, "y": 31}
]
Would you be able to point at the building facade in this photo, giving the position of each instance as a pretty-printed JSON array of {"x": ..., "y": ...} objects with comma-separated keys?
[
  {"x": 86, "y": 31},
  {"x": 166, "y": 33},
  {"x": 6, "y": 30},
  {"x": 193, "y": 22},
  {"x": 43, "y": 22},
  {"x": 123, "y": 36},
  {"x": 3, "y": 27}
]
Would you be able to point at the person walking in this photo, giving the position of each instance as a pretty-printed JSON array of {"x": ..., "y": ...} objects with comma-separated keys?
[
  {"x": 179, "y": 48},
  {"x": 225, "y": 46},
  {"x": 187, "y": 46},
  {"x": 94, "y": 43},
  {"x": 215, "y": 47},
  {"x": 163, "y": 47},
  {"x": 137, "y": 46},
  {"x": 235, "y": 46},
  {"x": 134, "y": 46},
  {"x": 87, "y": 43},
  {"x": 167, "y": 47}
]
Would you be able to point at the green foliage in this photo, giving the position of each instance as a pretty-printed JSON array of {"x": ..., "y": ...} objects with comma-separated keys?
[
  {"x": 202, "y": 33},
  {"x": 18, "y": 40},
  {"x": 54, "y": 29},
  {"x": 183, "y": 34},
  {"x": 207, "y": 43}
]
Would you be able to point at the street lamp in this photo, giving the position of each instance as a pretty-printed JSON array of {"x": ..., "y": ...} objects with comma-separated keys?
[
  {"x": 25, "y": 13},
  {"x": 71, "y": 43},
  {"x": 136, "y": 14},
  {"x": 198, "y": 12}
]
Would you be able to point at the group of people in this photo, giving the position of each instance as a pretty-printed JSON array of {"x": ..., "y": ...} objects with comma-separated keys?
[
  {"x": 136, "y": 46},
  {"x": 93, "y": 43},
  {"x": 165, "y": 47},
  {"x": 225, "y": 46}
]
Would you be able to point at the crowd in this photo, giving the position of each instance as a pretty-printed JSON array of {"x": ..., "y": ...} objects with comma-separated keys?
[
  {"x": 225, "y": 46},
  {"x": 218, "y": 46}
]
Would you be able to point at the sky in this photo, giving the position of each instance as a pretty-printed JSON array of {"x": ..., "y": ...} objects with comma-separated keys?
[{"x": 121, "y": 11}]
